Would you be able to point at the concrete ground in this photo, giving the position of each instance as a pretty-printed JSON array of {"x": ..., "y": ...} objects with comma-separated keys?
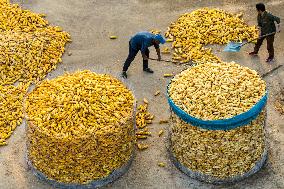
[{"x": 90, "y": 22}]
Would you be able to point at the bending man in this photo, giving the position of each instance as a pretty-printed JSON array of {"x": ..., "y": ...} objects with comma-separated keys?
[{"x": 142, "y": 41}]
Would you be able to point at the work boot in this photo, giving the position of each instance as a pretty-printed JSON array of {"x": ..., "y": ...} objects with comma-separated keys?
[
  {"x": 270, "y": 59},
  {"x": 148, "y": 70},
  {"x": 124, "y": 75},
  {"x": 253, "y": 53}
]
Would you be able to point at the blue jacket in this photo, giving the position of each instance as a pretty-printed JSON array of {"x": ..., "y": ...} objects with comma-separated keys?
[{"x": 142, "y": 41}]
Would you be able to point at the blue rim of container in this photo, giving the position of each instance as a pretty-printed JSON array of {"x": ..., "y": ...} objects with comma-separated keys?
[{"x": 224, "y": 124}]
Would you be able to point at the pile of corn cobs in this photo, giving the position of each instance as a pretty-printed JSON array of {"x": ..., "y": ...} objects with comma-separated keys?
[
  {"x": 80, "y": 126},
  {"x": 29, "y": 49},
  {"x": 221, "y": 154},
  {"x": 11, "y": 111},
  {"x": 192, "y": 31},
  {"x": 216, "y": 91},
  {"x": 213, "y": 91}
]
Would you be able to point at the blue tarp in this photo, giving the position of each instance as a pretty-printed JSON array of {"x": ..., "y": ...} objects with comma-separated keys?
[{"x": 224, "y": 124}]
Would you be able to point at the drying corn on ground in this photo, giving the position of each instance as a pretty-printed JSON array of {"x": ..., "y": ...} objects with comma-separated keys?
[
  {"x": 80, "y": 126},
  {"x": 29, "y": 47},
  {"x": 11, "y": 110},
  {"x": 214, "y": 91},
  {"x": 221, "y": 154},
  {"x": 143, "y": 118},
  {"x": 192, "y": 31}
]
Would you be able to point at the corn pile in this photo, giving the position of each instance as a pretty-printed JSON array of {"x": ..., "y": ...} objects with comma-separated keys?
[
  {"x": 192, "y": 31},
  {"x": 219, "y": 153},
  {"x": 214, "y": 91},
  {"x": 279, "y": 103},
  {"x": 29, "y": 47},
  {"x": 11, "y": 110},
  {"x": 143, "y": 118},
  {"x": 80, "y": 126}
]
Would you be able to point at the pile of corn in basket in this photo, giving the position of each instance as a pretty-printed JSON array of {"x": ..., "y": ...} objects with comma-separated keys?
[{"x": 218, "y": 116}]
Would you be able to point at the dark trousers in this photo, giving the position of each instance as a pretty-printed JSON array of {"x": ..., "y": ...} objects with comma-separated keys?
[
  {"x": 270, "y": 48},
  {"x": 131, "y": 56}
]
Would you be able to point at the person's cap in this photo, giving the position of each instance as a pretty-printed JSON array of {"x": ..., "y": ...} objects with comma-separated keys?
[{"x": 160, "y": 38}]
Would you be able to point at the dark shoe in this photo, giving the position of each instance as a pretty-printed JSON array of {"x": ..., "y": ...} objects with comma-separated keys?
[
  {"x": 148, "y": 70},
  {"x": 269, "y": 59},
  {"x": 253, "y": 53},
  {"x": 124, "y": 75}
]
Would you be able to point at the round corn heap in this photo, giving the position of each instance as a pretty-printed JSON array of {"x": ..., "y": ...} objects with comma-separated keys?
[
  {"x": 30, "y": 48},
  {"x": 80, "y": 127},
  {"x": 192, "y": 31},
  {"x": 217, "y": 93}
]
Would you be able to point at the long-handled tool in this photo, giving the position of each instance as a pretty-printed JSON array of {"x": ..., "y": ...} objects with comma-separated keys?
[
  {"x": 271, "y": 71},
  {"x": 175, "y": 62},
  {"x": 236, "y": 47}
]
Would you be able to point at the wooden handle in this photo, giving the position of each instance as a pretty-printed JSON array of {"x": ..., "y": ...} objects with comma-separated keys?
[{"x": 258, "y": 38}]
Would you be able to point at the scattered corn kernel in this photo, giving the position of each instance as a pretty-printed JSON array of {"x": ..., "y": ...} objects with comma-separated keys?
[
  {"x": 143, "y": 132},
  {"x": 142, "y": 146},
  {"x": 155, "y": 31},
  {"x": 145, "y": 101},
  {"x": 141, "y": 137},
  {"x": 166, "y": 50},
  {"x": 168, "y": 75},
  {"x": 157, "y": 93},
  {"x": 161, "y": 164},
  {"x": 113, "y": 37},
  {"x": 161, "y": 132},
  {"x": 163, "y": 121}
]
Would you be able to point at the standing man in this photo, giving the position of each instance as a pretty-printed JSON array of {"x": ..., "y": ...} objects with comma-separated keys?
[
  {"x": 142, "y": 41},
  {"x": 266, "y": 23}
]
